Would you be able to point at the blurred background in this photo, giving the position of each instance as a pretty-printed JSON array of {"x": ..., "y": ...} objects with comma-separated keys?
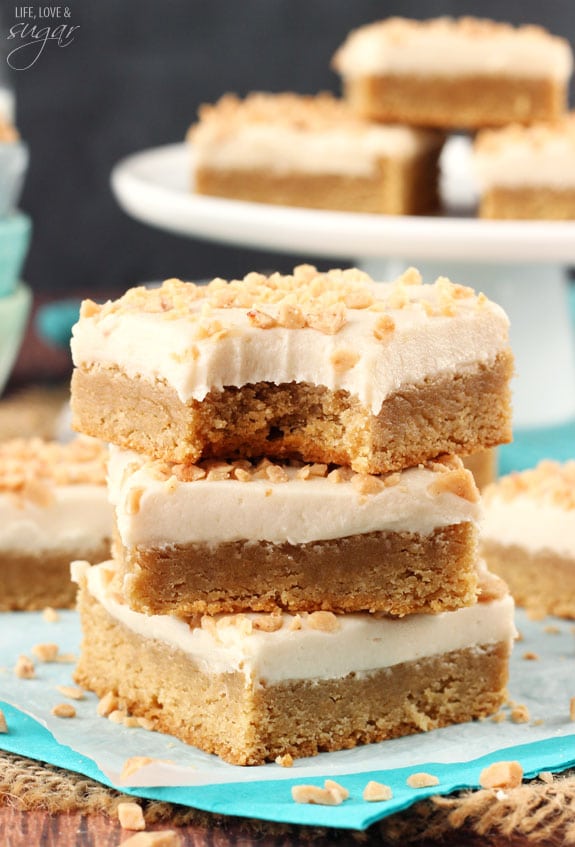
[{"x": 133, "y": 78}]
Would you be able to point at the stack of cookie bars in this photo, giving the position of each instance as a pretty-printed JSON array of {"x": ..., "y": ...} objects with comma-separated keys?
[{"x": 295, "y": 567}]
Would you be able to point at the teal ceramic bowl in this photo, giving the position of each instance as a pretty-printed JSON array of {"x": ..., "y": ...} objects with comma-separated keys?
[
  {"x": 14, "y": 311},
  {"x": 15, "y": 231}
]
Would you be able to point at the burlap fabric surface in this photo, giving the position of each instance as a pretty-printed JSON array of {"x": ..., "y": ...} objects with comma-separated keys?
[{"x": 538, "y": 812}]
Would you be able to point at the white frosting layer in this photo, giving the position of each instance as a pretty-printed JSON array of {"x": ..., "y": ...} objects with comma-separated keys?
[
  {"x": 297, "y": 511},
  {"x": 283, "y": 149},
  {"x": 420, "y": 346},
  {"x": 522, "y": 164},
  {"x": 530, "y": 524},
  {"x": 361, "y": 644},
  {"x": 447, "y": 50},
  {"x": 79, "y": 518}
]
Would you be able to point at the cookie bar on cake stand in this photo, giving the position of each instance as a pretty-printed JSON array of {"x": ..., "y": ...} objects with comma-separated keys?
[{"x": 520, "y": 264}]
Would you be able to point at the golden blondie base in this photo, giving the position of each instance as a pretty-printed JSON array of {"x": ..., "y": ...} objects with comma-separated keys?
[
  {"x": 397, "y": 573},
  {"x": 459, "y": 414},
  {"x": 251, "y": 725},
  {"x": 542, "y": 582},
  {"x": 528, "y": 204},
  {"x": 30, "y": 583},
  {"x": 470, "y": 102},
  {"x": 398, "y": 187}
]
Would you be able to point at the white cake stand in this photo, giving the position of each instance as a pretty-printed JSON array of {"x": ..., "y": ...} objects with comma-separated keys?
[{"x": 520, "y": 264}]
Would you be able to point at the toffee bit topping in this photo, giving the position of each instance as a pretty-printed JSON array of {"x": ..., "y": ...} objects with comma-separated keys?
[
  {"x": 71, "y": 691},
  {"x": 268, "y": 623},
  {"x": 276, "y": 473},
  {"x": 344, "y": 359},
  {"x": 384, "y": 326},
  {"x": 535, "y": 138},
  {"x": 366, "y": 484},
  {"x": 188, "y": 473},
  {"x": 133, "y": 765},
  {"x": 550, "y": 482},
  {"x": 304, "y": 112},
  {"x": 339, "y": 475},
  {"x": 261, "y": 319},
  {"x": 460, "y": 483},
  {"x": 30, "y": 468},
  {"x": 295, "y": 624},
  {"x": 24, "y": 668},
  {"x": 133, "y": 500},
  {"x": 422, "y": 780},
  {"x": 324, "y": 621},
  {"x": 46, "y": 652},
  {"x": 63, "y": 710},
  {"x": 501, "y": 775},
  {"x": 377, "y": 792},
  {"x": 50, "y": 615},
  {"x": 131, "y": 816},
  {"x": 285, "y": 761},
  {"x": 317, "y": 796},
  {"x": 332, "y": 785}
]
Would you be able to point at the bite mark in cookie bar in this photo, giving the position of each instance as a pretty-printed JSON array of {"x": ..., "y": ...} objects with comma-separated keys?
[
  {"x": 527, "y": 172},
  {"x": 292, "y": 536},
  {"x": 250, "y": 695},
  {"x": 53, "y": 508},
  {"x": 529, "y": 536},
  {"x": 313, "y": 152},
  {"x": 247, "y": 368},
  {"x": 454, "y": 73}
]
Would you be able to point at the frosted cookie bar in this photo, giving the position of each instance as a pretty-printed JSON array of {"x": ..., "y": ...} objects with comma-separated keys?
[
  {"x": 297, "y": 150},
  {"x": 326, "y": 367},
  {"x": 529, "y": 536},
  {"x": 228, "y": 536},
  {"x": 252, "y": 687},
  {"x": 527, "y": 172},
  {"x": 53, "y": 508},
  {"x": 462, "y": 73}
]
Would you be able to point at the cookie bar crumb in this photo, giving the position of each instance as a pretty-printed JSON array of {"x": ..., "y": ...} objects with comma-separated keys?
[{"x": 520, "y": 714}]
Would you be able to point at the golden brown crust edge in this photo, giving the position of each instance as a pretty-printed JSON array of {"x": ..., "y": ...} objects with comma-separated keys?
[{"x": 460, "y": 414}]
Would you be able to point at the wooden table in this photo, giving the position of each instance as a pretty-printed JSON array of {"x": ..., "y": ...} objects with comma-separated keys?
[{"x": 29, "y": 829}]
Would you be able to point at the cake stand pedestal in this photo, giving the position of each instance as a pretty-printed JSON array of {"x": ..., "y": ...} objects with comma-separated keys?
[{"x": 520, "y": 264}]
